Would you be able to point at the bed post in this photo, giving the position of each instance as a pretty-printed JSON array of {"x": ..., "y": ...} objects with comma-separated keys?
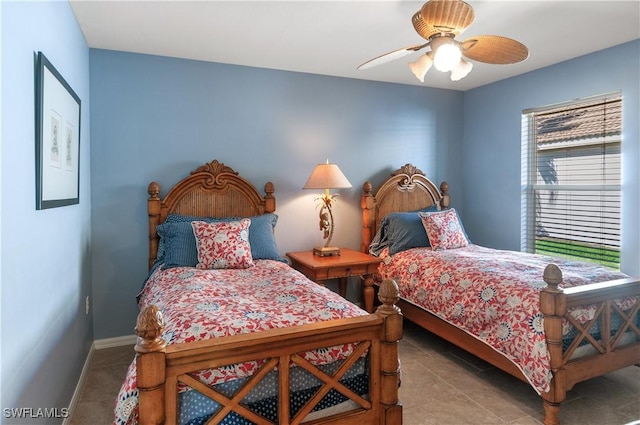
[
  {"x": 269, "y": 199},
  {"x": 445, "y": 201},
  {"x": 553, "y": 304},
  {"x": 367, "y": 204},
  {"x": 150, "y": 366},
  {"x": 390, "y": 365},
  {"x": 153, "y": 208}
]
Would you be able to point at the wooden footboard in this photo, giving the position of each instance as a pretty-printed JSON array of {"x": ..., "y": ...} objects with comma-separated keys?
[
  {"x": 614, "y": 349},
  {"x": 160, "y": 367}
]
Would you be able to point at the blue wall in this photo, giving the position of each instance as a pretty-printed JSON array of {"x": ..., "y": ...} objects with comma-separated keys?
[
  {"x": 491, "y": 147},
  {"x": 157, "y": 118},
  {"x": 45, "y": 261}
]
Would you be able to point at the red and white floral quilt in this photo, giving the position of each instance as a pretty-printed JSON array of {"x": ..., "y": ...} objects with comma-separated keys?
[
  {"x": 203, "y": 304},
  {"x": 492, "y": 295}
]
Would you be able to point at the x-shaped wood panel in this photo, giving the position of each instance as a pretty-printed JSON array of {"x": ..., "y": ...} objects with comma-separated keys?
[
  {"x": 234, "y": 403},
  {"x": 607, "y": 342}
]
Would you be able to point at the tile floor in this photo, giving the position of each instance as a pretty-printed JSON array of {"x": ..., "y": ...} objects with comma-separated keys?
[{"x": 441, "y": 385}]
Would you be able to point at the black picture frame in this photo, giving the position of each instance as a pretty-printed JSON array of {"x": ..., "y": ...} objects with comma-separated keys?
[{"x": 57, "y": 138}]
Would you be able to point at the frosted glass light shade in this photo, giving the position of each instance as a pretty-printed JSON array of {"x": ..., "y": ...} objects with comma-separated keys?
[
  {"x": 447, "y": 57},
  {"x": 421, "y": 66},
  {"x": 461, "y": 70}
]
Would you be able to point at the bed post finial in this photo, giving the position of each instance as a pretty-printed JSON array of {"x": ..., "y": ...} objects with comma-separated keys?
[
  {"x": 149, "y": 328},
  {"x": 367, "y": 188},
  {"x": 153, "y": 190},
  {"x": 389, "y": 294},
  {"x": 269, "y": 199},
  {"x": 445, "y": 202},
  {"x": 552, "y": 276},
  {"x": 151, "y": 366}
]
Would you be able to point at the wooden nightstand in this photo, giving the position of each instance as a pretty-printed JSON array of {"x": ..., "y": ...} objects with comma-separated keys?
[{"x": 348, "y": 263}]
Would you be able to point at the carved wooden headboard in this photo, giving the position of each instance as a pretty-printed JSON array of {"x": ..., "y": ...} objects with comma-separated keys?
[
  {"x": 212, "y": 190},
  {"x": 408, "y": 189}
]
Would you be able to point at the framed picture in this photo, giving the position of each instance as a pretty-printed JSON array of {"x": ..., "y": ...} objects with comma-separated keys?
[{"x": 57, "y": 138}]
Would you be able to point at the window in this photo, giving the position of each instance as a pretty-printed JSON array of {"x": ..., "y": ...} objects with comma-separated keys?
[{"x": 571, "y": 180}]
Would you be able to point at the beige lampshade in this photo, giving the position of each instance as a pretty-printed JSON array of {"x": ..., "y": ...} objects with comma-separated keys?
[{"x": 327, "y": 176}]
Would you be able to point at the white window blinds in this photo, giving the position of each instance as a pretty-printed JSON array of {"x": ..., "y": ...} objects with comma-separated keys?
[{"x": 571, "y": 180}]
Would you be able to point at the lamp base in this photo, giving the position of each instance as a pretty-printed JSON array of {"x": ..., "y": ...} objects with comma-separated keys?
[{"x": 326, "y": 251}]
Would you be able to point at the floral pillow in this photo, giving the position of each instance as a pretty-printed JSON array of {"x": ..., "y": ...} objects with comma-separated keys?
[
  {"x": 444, "y": 229},
  {"x": 223, "y": 245}
]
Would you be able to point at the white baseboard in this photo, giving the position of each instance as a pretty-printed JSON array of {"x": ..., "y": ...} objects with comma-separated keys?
[
  {"x": 98, "y": 344},
  {"x": 80, "y": 385},
  {"x": 118, "y": 341}
]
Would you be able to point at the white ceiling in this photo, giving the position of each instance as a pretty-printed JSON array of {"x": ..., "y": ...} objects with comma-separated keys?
[{"x": 334, "y": 37}]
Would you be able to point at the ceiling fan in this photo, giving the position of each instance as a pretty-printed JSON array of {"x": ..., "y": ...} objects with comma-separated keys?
[{"x": 439, "y": 22}]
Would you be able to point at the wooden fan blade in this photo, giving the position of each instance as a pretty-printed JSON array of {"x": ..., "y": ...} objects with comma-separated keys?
[
  {"x": 494, "y": 49},
  {"x": 443, "y": 16},
  {"x": 388, "y": 57}
]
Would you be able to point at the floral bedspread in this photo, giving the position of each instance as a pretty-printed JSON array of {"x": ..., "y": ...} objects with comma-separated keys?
[
  {"x": 203, "y": 304},
  {"x": 492, "y": 295}
]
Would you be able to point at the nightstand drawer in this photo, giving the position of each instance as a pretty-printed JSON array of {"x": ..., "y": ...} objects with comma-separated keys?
[{"x": 346, "y": 271}]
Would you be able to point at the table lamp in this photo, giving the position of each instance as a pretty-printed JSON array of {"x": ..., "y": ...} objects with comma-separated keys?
[{"x": 326, "y": 176}]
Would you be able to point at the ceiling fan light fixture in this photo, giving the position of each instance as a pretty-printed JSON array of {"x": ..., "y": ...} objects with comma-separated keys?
[
  {"x": 421, "y": 66},
  {"x": 461, "y": 70},
  {"x": 447, "y": 57},
  {"x": 440, "y": 22}
]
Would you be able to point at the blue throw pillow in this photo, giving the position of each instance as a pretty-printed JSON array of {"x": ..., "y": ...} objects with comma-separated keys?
[
  {"x": 180, "y": 249},
  {"x": 400, "y": 231}
]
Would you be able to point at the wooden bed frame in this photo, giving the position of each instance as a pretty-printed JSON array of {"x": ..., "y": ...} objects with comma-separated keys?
[
  {"x": 215, "y": 190},
  {"x": 409, "y": 190}
]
